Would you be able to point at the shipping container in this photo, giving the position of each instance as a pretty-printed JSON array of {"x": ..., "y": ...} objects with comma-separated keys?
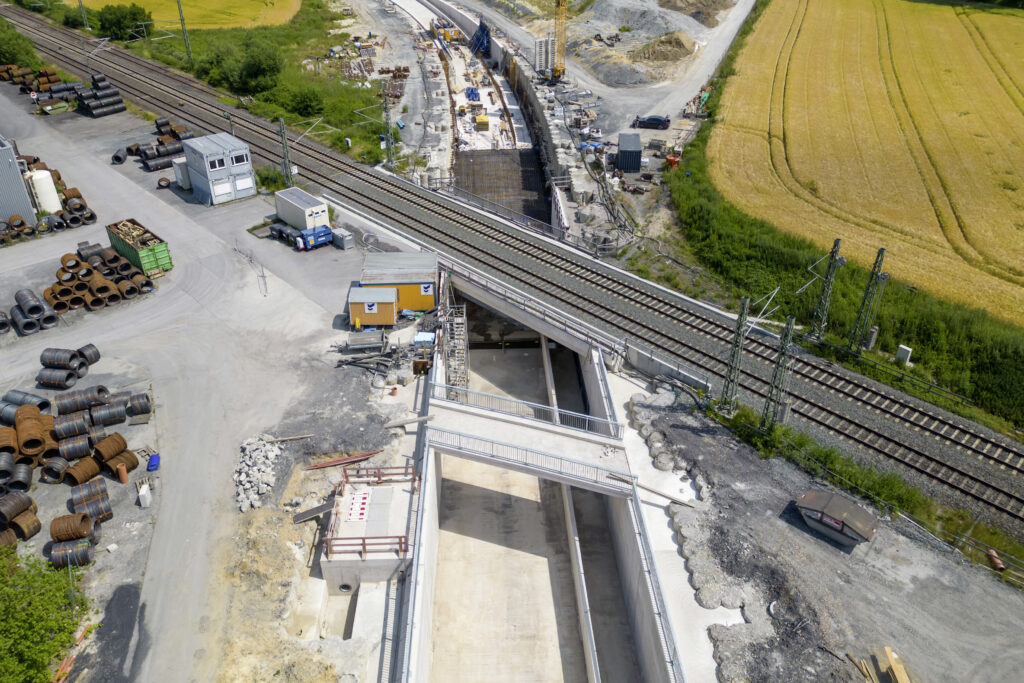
[
  {"x": 300, "y": 209},
  {"x": 143, "y": 249},
  {"x": 370, "y": 306},
  {"x": 630, "y": 153}
]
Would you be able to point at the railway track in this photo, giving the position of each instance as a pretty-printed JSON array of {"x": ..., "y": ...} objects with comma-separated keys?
[{"x": 622, "y": 305}]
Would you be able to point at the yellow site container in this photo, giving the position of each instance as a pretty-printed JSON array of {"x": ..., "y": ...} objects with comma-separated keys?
[
  {"x": 372, "y": 306},
  {"x": 412, "y": 275},
  {"x": 482, "y": 122}
]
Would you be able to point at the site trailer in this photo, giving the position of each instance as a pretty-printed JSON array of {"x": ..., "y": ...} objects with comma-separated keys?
[{"x": 300, "y": 209}]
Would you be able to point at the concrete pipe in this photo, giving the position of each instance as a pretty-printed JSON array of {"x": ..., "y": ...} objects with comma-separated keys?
[
  {"x": 108, "y": 415},
  {"x": 22, "y": 398},
  {"x": 96, "y": 434},
  {"x": 52, "y": 357},
  {"x": 26, "y": 525},
  {"x": 144, "y": 284},
  {"x": 88, "y": 217},
  {"x": 12, "y": 505},
  {"x": 94, "y": 303},
  {"x": 62, "y": 291},
  {"x": 71, "y": 527},
  {"x": 113, "y": 299},
  {"x": 8, "y": 447},
  {"x": 139, "y": 404},
  {"x": 99, "y": 508},
  {"x": 29, "y": 303},
  {"x": 120, "y": 156},
  {"x": 78, "y": 553},
  {"x": 21, "y": 478},
  {"x": 92, "y": 356},
  {"x": 7, "y": 456},
  {"x": 94, "y": 489},
  {"x": 75, "y": 448},
  {"x": 52, "y": 471},
  {"x": 57, "y": 378},
  {"x": 67, "y": 426},
  {"x": 85, "y": 274},
  {"x": 80, "y": 288},
  {"x": 49, "y": 318},
  {"x": 109, "y": 447},
  {"x": 70, "y": 263}
]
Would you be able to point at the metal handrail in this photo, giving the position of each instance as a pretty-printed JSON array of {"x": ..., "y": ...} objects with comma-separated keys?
[
  {"x": 569, "y": 468},
  {"x": 668, "y": 639},
  {"x": 363, "y": 545},
  {"x": 527, "y": 409}
]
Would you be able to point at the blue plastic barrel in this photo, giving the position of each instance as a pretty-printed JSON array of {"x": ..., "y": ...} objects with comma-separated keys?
[{"x": 154, "y": 463}]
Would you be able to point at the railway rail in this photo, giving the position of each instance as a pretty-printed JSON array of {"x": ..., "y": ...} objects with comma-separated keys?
[{"x": 600, "y": 294}]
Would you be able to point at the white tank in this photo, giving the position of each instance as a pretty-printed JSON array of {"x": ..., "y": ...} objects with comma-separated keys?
[{"x": 44, "y": 192}]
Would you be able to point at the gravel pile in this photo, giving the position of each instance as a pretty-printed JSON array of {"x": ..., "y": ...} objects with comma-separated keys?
[{"x": 254, "y": 475}]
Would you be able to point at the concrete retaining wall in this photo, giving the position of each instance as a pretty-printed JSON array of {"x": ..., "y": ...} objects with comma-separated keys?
[
  {"x": 595, "y": 382},
  {"x": 636, "y": 590},
  {"x": 426, "y": 568}
]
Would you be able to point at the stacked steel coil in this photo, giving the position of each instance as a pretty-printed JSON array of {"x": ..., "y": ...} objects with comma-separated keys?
[
  {"x": 159, "y": 155},
  {"x": 72, "y": 553},
  {"x": 30, "y": 313},
  {"x": 71, "y": 527},
  {"x": 102, "y": 99}
]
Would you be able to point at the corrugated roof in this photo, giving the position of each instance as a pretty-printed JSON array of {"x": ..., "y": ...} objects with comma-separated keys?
[
  {"x": 300, "y": 197},
  {"x": 218, "y": 143},
  {"x": 630, "y": 142},
  {"x": 372, "y": 295},
  {"x": 840, "y": 509},
  {"x": 394, "y": 266}
]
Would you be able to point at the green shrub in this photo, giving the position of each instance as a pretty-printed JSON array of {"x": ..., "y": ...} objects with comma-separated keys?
[
  {"x": 119, "y": 22},
  {"x": 16, "y": 48}
]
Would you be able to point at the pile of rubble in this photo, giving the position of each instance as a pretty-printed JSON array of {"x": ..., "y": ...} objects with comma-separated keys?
[{"x": 254, "y": 475}]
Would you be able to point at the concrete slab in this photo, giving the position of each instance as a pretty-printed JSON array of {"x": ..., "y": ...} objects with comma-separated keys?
[
  {"x": 516, "y": 373},
  {"x": 504, "y": 603},
  {"x": 689, "y": 620}
]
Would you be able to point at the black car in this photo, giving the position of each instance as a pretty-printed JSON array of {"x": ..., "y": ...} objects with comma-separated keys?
[{"x": 659, "y": 122}]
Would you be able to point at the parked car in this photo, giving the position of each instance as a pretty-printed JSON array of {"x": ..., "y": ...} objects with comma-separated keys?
[{"x": 659, "y": 122}]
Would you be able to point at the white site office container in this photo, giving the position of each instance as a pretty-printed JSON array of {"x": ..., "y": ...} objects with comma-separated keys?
[{"x": 300, "y": 209}]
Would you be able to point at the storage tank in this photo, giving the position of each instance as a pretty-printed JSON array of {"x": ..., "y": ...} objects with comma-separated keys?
[{"x": 44, "y": 192}]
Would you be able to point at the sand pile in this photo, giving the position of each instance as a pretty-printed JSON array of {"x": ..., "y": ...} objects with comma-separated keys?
[{"x": 668, "y": 48}]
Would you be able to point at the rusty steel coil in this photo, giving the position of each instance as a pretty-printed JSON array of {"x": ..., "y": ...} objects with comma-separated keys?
[
  {"x": 72, "y": 553},
  {"x": 26, "y": 411},
  {"x": 126, "y": 458},
  {"x": 97, "y": 508},
  {"x": 61, "y": 290},
  {"x": 109, "y": 253},
  {"x": 80, "y": 288},
  {"x": 76, "y": 204},
  {"x": 94, "y": 303},
  {"x": 95, "y": 261},
  {"x": 86, "y": 274},
  {"x": 59, "y": 306},
  {"x": 96, "y": 434},
  {"x": 26, "y": 525},
  {"x": 80, "y": 399},
  {"x": 64, "y": 276},
  {"x": 8, "y": 443},
  {"x": 108, "y": 415},
  {"x": 144, "y": 284},
  {"x": 113, "y": 298},
  {"x": 139, "y": 404},
  {"x": 91, "y": 354},
  {"x": 110, "y": 446},
  {"x": 7, "y": 464},
  {"x": 75, "y": 448},
  {"x": 67, "y": 426},
  {"x": 75, "y": 302},
  {"x": 8, "y": 537},
  {"x": 16, "y": 221},
  {"x": 124, "y": 267},
  {"x": 13, "y": 504},
  {"x": 70, "y": 262},
  {"x": 100, "y": 286},
  {"x": 71, "y": 527},
  {"x": 57, "y": 378},
  {"x": 52, "y": 471},
  {"x": 30, "y": 438},
  {"x": 58, "y": 358},
  {"x": 84, "y": 492},
  {"x": 81, "y": 472},
  {"x": 51, "y": 447}
]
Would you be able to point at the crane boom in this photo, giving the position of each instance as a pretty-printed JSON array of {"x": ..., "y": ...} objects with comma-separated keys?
[{"x": 561, "y": 17}]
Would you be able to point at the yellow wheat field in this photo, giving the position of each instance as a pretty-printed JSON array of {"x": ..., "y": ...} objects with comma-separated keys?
[
  {"x": 888, "y": 123},
  {"x": 207, "y": 14}
]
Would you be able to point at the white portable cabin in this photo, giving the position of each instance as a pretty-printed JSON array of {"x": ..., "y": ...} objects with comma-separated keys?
[{"x": 300, "y": 209}]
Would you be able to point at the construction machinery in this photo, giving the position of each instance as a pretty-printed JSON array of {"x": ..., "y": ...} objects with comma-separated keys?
[{"x": 561, "y": 18}]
